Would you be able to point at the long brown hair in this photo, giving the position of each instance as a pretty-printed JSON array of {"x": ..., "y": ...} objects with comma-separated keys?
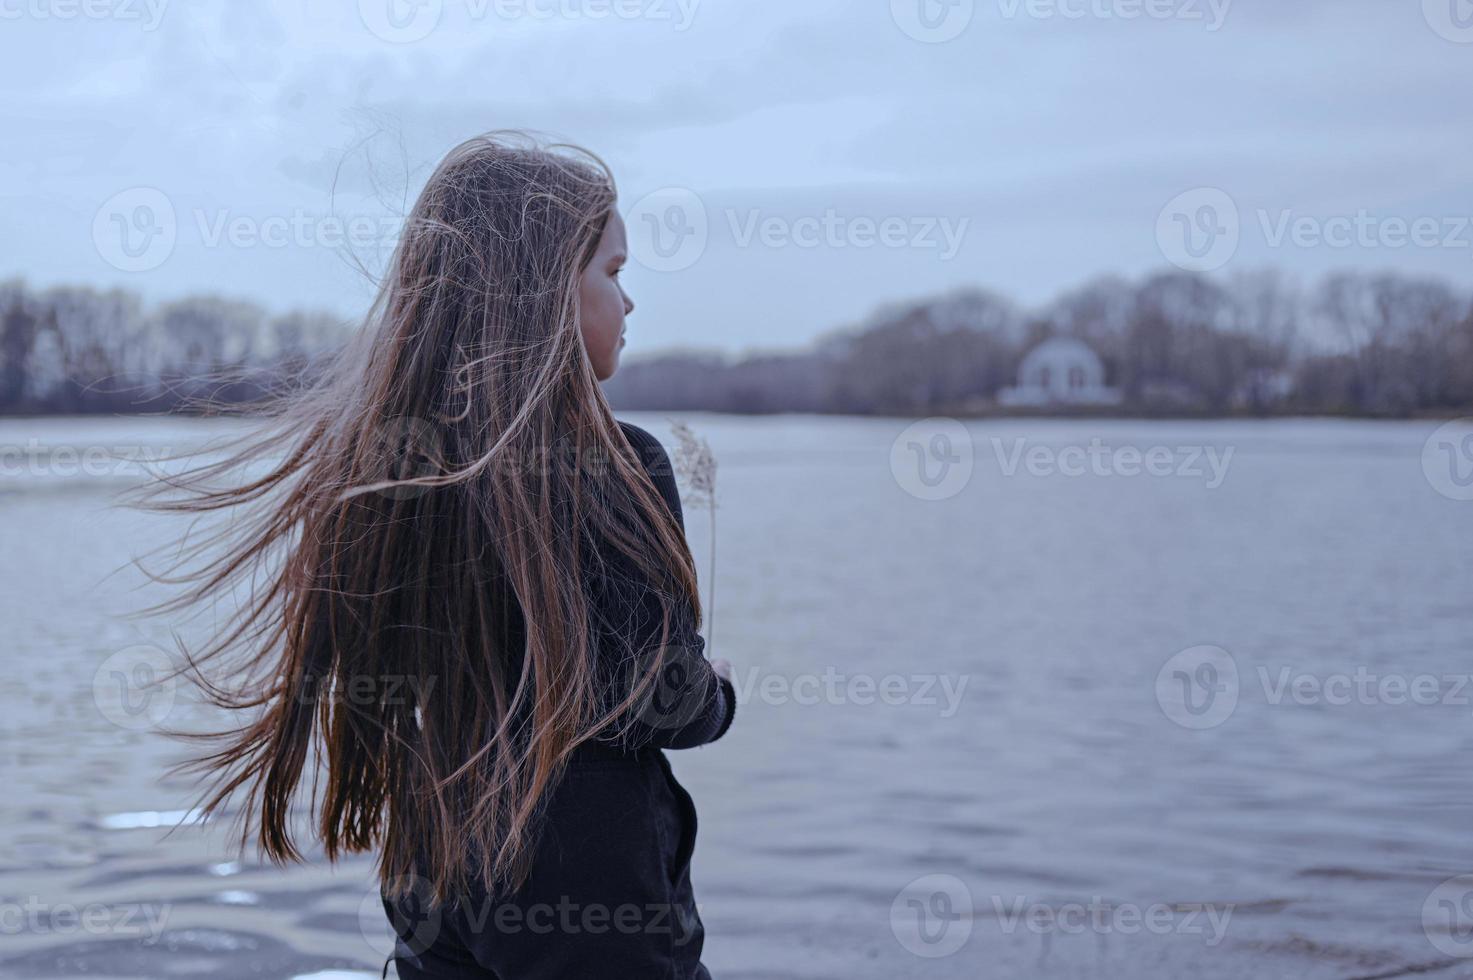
[{"x": 422, "y": 512}]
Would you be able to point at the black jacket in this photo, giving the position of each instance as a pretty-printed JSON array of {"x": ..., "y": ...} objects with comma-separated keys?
[{"x": 609, "y": 893}]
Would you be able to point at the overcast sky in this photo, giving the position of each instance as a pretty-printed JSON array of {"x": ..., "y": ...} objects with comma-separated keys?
[{"x": 785, "y": 165}]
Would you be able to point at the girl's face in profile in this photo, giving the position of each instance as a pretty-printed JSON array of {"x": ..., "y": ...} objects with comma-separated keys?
[{"x": 602, "y": 299}]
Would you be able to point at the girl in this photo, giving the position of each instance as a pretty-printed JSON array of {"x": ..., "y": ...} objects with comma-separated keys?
[{"x": 478, "y": 608}]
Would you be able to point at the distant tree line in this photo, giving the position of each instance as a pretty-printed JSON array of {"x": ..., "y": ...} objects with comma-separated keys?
[
  {"x": 77, "y": 350},
  {"x": 1174, "y": 344}
]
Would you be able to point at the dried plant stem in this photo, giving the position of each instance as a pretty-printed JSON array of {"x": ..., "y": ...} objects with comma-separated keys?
[
  {"x": 711, "y": 592},
  {"x": 695, "y": 465}
]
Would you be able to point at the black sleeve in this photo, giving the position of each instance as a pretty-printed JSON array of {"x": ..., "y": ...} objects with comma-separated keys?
[{"x": 690, "y": 704}]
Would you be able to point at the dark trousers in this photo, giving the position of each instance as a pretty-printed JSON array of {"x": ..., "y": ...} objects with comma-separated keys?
[{"x": 608, "y": 898}]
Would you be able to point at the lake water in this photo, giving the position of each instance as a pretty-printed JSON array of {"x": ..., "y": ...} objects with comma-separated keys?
[{"x": 1076, "y": 699}]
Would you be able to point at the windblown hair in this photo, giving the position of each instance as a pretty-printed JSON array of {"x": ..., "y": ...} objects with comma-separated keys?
[{"x": 417, "y": 532}]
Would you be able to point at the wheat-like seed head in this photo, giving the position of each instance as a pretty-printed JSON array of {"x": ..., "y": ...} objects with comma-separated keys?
[{"x": 695, "y": 464}]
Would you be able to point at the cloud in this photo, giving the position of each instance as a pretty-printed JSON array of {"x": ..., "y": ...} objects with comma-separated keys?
[{"x": 1058, "y": 138}]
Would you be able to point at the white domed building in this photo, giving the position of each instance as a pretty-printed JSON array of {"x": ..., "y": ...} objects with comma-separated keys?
[{"x": 1060, "y": 371}]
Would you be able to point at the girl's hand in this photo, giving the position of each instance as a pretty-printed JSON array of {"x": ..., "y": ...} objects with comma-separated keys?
[{"x": 722, "y": 666}]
